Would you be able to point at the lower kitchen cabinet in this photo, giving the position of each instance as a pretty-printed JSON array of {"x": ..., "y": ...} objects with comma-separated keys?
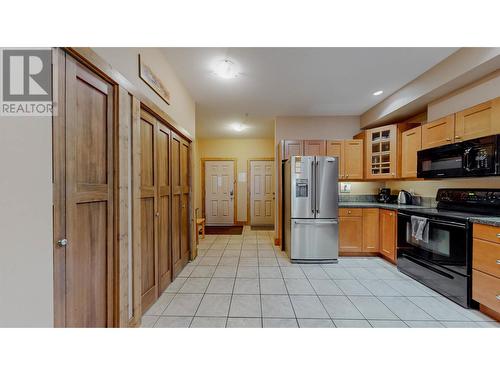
[
  {"x": 371, "y": 230},
  {"x": 387, "y": 220},
  {"x": 350, "y": 224},
  {"x": 486, "y": 268}
]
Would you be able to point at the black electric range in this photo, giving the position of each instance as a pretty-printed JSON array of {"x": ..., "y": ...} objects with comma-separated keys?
[{"x": 443, "y": 259}]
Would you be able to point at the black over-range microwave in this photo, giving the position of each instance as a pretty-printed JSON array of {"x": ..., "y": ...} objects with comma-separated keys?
[{"x": 472, "y": 158}]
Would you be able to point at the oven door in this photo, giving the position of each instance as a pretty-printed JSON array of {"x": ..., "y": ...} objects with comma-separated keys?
[
  {"x": 447, "y": 245},
  {"x": 441, "y": 162}
]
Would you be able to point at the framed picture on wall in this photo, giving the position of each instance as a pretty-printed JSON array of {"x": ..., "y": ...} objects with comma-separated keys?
[{"x": 147, "y": 75}]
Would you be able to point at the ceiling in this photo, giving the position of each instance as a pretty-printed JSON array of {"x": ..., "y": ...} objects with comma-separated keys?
[{"x": 292, "y": 82}]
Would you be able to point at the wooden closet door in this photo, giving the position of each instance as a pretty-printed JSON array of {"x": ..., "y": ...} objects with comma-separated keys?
[
  {"x": 176, "y": 204},
  {"x": 88, "y": 281},
  {"x": 185, "y": 189},
  {"x": 149, "y": 233},
  {"x": 180, "y": 203},
  {"x": 164, "y": 198}
]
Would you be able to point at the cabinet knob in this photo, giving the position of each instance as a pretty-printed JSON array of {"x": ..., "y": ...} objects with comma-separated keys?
[
  {"x": 498, "y": 297},
  {"x": 448, "y": 139},
  {"x": 457, "y": 137},
  {"x": 349, "y": 211},
  {"x": 498, "y": 261},
  {"x": 347, "y": 175},
  {"x": 498, "y": 235},
  {"x": 390, "y": 214}
]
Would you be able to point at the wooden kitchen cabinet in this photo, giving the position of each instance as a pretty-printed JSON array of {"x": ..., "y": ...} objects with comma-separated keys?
[
  {"x": 371, "y": 230},
  {"x": 387, "y": 220},
  {"x": 381, "y": 152},
  {"x": 336, "y": 148},
  {"x": 350, "y": 226},
  {"x": 353, "y": 159},
  {"x": 411, "y": 142},
  {"x": 486, "y": 268},
  {"x": 292, "y": 148},
  {"x": 350, "y": 155},
  {"x": 478, "y": 121},
  {"x": 439, "y": 132},
  {"x": 314, "y": 148}
]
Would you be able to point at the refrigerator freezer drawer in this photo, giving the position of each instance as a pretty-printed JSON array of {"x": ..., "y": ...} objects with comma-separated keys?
[{"x": 314, "y": 240}]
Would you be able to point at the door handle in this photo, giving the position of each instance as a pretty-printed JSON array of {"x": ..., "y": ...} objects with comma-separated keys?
[
  {"x": 313, "y": 188},
  {"x": 313, "y": 222},
  {"x": 316, "y": 187},
  {"x": 62, "y": 242}
]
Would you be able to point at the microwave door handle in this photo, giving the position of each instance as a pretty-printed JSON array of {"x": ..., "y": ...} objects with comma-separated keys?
[{"x": 466, "y": 159}]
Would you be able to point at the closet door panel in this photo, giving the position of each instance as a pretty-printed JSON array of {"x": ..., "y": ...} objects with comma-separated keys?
[{"x": 164, "y": 246}]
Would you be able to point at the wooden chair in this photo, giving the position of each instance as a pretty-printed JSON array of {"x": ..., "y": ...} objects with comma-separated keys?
[{"x": 200, "y": 222}]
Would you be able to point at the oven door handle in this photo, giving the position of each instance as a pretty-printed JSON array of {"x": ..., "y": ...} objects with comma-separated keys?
[{"x": 448, "y": 223}]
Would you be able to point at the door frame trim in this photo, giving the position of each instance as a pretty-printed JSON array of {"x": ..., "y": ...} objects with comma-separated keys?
[
  {"x": 249, "y": 186},
  {"x": 235, "y": 185},
  {"x": 59, "y": 191}
]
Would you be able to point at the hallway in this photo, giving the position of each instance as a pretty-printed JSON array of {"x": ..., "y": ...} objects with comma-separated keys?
[{"x": 245, "y": 281}]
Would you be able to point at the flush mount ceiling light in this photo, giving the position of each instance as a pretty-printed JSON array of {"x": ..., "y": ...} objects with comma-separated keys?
[
  {"x": 226, "y": 69},
  {"x": 377, "y": 93},
  {"x": 238, "y": 127}
]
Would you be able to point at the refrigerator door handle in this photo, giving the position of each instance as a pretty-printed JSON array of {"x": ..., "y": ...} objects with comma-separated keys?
[
  {"x": 313, "y": 188},
  {"x": 311, "y": 222},
  {"x": 316, "y": 187}
]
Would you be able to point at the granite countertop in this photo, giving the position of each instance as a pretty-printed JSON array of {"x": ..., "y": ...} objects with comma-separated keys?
[
  {"x": 487, "y": 220},
  {"x": 387, "y": 206}
]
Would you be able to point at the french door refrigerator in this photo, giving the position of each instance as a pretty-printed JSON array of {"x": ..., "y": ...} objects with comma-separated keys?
[{"x": 310, "y": 191}]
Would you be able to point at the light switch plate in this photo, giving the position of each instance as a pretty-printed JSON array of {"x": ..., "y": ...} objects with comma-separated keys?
[{"x": 345, "y": 187}]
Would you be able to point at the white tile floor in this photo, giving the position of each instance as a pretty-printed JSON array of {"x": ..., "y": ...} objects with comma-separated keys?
[{"x": 244, "y": 281}]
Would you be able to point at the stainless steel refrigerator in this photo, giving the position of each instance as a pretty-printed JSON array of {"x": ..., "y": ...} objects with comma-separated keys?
[{"x": 310, "y": 191}]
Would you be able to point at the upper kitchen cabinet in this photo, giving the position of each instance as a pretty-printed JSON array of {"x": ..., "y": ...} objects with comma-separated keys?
[
  {"x": 411, "y": 143},
  {"x": 478, "y": 121},
  {"x": 439, "y": 132},
  {"x": 335, "y": 148},
  {"x": 314, "y": 148},
  {"x": 350, "y": 155},
  {"x": 353, "y": 159},
  {"x": 381, "y": 152},
  {"x": 292, "y": 148}
]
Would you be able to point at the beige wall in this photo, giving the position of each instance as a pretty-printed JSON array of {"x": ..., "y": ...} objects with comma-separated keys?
[
  {"x": 482, "y": 91},
  {"x": 125, "y": 60},
  {"x": 26, "y": 298},
  {"x": 316, "y": 127},
  {"x": 364, "y": 188},
  {"x": 243, "y": 150}
]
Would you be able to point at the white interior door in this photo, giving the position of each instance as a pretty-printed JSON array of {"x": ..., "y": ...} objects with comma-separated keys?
[
  {"x": 261, "y": 192},
  {"x": 219, "y": 192}
]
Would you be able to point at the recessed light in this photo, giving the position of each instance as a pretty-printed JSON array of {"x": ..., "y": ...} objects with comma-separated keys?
[
  {"x": 226, "y": 69},
  {"x": 377, "y": 93}
]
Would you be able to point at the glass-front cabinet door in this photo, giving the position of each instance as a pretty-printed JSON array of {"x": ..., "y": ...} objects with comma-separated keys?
[{"x": 381, "y": 152}]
